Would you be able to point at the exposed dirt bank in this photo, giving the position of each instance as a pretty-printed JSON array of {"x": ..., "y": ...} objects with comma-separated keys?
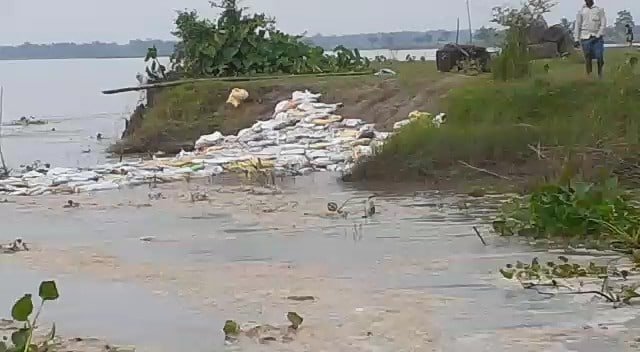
[{"x": 177, "y": 116}]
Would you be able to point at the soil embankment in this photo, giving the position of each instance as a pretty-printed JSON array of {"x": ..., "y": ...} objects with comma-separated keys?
[{"x": 177, "y": 116}]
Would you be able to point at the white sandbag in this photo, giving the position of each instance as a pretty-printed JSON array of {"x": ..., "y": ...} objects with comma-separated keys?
[
  {"x": 208, "y": 140},
  {"x": 103, "y": 186},
  {"x": 398, "y": 125},
  {"x": 300, "y": 151},
  {"x": 321, "y": 162}
]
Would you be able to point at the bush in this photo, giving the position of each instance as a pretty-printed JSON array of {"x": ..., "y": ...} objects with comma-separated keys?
[{"x": 238, "y": 44}]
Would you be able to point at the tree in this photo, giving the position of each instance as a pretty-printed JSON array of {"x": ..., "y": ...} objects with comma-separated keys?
[
  {"x": 237, "y": 43},
  {"x": 486, "y": 35},
  {"x": 624, "y": 18},
  {"x": 568, "y": 25},
  {"x": 513, "y": 61},
  {"x": 426, "y": 38}
]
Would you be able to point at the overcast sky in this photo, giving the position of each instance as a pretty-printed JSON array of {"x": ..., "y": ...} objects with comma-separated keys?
[{"x": 44, "y": 21}]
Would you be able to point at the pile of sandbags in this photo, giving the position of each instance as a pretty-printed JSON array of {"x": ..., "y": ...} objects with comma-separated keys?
[{"x": 302, "y": 136}]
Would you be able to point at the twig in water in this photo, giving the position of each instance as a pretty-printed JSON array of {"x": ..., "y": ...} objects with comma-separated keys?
[
  {"x": 479, "y": 235},
  {"x": 532, "y": 286},
  {"x": 484, "y": 170}
]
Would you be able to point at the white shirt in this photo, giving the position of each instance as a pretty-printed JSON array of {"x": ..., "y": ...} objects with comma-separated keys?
[{"x": 590, "y": 22}]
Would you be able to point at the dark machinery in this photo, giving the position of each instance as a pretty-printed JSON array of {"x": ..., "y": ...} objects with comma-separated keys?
[{"x": 465, "y": 58}]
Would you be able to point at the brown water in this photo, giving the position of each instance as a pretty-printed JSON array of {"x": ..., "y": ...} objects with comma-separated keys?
[
  {"x": 415, "y": 275},
  {"x": 413, "y": 278}
]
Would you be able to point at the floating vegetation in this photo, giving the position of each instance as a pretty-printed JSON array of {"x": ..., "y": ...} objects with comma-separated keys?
[
  {"x": 18, "y": 245},
  {"x": 264, "y": 333},
  {"x": 554, "y": 277}
]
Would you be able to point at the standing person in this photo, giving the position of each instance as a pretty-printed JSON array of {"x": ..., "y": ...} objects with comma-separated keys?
[
  {"x": 590, "y": 25},
  {"x": 629, "y": 34}
]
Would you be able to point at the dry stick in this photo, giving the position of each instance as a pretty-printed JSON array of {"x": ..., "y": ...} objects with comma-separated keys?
[
  {"x": 534, "y": 287},
  {"x": 537, "y": 151},
  {"x": 484, "y": 170},
  {"x": 479, "y": 235}
]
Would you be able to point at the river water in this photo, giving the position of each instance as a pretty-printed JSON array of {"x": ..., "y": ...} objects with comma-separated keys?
[{"x": 413, "y": 278}]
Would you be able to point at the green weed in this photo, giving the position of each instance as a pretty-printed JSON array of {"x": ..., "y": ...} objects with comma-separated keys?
[{"x": 22, "y": 339}]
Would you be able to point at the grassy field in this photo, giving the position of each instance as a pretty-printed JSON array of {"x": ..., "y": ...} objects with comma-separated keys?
[
  {"x": 179, "y": 115},
  {"x": 553, "y": 122}
]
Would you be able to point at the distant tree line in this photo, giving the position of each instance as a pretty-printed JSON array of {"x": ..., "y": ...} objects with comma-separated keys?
[
  {"x": 135, "y": 48},
  {"x": 486, "y": 36}
]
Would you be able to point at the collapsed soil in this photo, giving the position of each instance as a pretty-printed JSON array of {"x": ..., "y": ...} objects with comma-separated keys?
[{"x": 177, "y": 116}]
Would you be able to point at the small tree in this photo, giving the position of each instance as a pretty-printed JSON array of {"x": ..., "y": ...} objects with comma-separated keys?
[
  {"x": 624, "y": 18},
  {"x": 513, "y": 61},
  {"x": 487, "y": 35}
]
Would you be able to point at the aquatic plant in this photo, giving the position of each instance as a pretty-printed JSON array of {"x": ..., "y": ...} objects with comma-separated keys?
[
  {"x": 22, "y": 339},
  {"x": 265, "y": 333},
  {"x": 535, "y": 276},
  {"x": 601, "y": 211},
  {"x": 240, "y": 44}
]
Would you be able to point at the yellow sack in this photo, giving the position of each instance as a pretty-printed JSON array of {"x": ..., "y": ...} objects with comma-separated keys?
[
  {"x": 237, "y": 96},
  {"x": 419, "y": 115}
]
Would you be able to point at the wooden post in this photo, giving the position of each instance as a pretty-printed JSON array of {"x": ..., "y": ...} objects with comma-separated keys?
[{"x": 5, "y": 170}]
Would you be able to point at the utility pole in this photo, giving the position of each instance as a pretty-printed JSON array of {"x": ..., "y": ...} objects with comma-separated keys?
[
  {"x": 458, "y": 31},
  {"x": 469, "y": 19},
  {"x": 5, "y": 170}
]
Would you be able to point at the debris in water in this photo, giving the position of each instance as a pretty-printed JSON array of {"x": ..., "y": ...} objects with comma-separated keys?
[
  {"x": 301, "y": 298},
  {"x": 295, "y": 319},
  {"x": 18, "y": 245},
  {"x": 71, "y": 204}
]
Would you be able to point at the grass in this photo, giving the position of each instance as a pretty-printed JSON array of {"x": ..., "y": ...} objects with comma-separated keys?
[
  {"x": 177, "y": 116},
  {"x": 495, "y": 124}
]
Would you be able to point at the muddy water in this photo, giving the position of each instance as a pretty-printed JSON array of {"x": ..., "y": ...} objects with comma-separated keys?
[{"x": 413, "y": 278}]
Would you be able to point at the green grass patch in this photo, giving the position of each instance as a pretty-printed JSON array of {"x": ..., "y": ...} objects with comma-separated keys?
[{"x": 494, "y": 122}]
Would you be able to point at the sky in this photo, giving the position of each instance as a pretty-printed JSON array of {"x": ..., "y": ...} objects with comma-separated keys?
[{"x": 46, "y": 21}]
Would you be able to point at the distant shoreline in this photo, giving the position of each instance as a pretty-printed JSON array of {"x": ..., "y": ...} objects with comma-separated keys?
[{"x": 141, "y": 56}]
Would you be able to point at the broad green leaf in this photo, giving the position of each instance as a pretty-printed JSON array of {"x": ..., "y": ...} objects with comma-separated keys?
[
  {"x": 22, "y": 308},
  {"x": 48, "y": 291},
  {"x": 508, "y": 274},
  {"x": 20, "y": 337}
]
